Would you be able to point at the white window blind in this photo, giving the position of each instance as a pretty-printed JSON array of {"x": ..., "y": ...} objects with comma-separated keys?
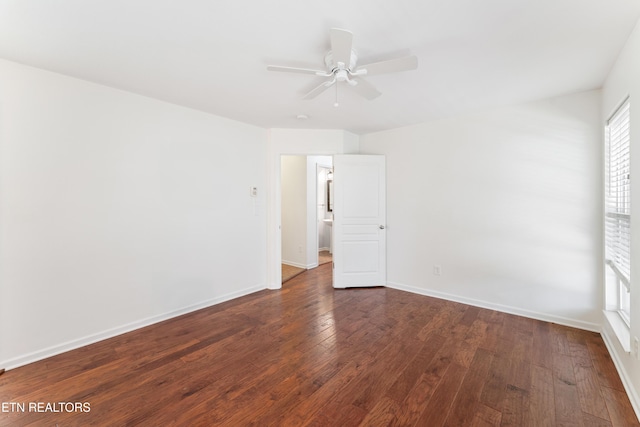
[{"x": 618, "y": 196}]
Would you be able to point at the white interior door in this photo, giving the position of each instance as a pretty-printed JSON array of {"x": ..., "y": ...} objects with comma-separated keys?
[{"x": 359, "y": 221}]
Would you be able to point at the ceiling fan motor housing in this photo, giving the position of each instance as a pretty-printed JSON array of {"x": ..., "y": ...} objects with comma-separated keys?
[{"x": 331, "y": 64}]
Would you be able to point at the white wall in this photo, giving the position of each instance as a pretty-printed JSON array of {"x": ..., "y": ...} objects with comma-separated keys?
[
  {"x": 117, "y": 210},
  {"x": 623, "y": 81},
  {"x": 294, "y": 210},
  {"x": 507, "y": 202}
]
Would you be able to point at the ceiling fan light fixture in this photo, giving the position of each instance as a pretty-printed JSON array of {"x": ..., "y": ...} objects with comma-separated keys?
[{"x": 342, "y": 75}]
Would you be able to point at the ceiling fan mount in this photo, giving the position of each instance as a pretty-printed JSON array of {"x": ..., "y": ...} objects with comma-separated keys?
[
  {"x": 332, "y": 65},
  {"x": 341, "y": 66}
]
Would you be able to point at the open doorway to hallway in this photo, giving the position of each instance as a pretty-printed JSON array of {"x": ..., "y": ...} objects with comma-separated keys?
[{"x": 306, "y": 218}]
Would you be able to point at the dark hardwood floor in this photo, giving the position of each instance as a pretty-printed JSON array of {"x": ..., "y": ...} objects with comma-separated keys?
[{"x": 311, "y": 355}]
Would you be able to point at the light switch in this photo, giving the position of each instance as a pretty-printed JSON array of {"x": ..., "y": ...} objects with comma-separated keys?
[{"x": 253, "y": 191}]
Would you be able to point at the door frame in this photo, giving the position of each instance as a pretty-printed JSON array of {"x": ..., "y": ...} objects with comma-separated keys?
[
  {"x": 274, "y": 229},
  {"x": 306, "y": 142},
  {"x": 313, "y": 165}
]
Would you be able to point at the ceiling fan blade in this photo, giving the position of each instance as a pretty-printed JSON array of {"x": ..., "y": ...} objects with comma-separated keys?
[
  {"x": 319, "y": 89},
  {"x": 297, "y": 70},
  {"x": 366, "y": 89},
  {"x": 341, "y": 42},
  {"x": 391, "y": 66}
]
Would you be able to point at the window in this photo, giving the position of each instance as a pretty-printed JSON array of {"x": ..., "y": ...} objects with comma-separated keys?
[{"x": 618, "y": 212}]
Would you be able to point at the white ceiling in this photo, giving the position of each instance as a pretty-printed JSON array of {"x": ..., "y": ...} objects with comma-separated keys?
[{"x": 211, "y": 55}]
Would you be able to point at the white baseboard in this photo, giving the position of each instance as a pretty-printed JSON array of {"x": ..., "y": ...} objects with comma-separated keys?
[
  {"x": 593, "y": 327},
  {"x": 323, "y": 249},
  {"x": 110, "y": 333},
  {"x": 294, "y": 264},
  {"x": 634, "y": 398}
]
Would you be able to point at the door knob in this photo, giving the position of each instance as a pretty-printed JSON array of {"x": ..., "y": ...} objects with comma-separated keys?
[{"x": 381, "y": 227}]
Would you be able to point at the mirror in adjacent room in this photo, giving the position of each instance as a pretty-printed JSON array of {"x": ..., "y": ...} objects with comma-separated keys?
[{"x": 330, "y": 192}]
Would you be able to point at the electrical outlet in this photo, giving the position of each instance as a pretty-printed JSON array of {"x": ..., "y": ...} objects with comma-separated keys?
[
  {"x": 636, "y": 348},
  {"x": 437, "y": 271}
]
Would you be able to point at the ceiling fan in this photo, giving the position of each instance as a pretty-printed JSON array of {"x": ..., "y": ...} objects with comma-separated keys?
[{"x": 341, "y": 62}]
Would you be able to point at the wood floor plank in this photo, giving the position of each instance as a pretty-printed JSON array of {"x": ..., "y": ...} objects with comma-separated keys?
[
  {"x": 591, "y": 421},
  {"x": 541, "y": 398},
  {"x": 316, "y": 404},
  {"x": 486, "y": 417},
  {"x": 437, "y": 410},
  {"x": 384, "y": 413},
  {"x": 373, "y": 385},
  {"x": 579, "y": 349},
  {"x": 468, "y": 397},
  {"x": 472, "y": 340},
  {"x": 591, "y": 400},
  {"x": 620, "y": 411},
  {"x": 515, "y": 408},
  {"x": 567, "y": 402},
  {"x": 606, "y": 370},
  {"x": 495, "y": 325},
  {"x": 541, "y": 354},
  {"x": 512, "y": 398},
  {"x": 495, "y": 388},
  {"x": 441, "y": 322},
  {"x": 417, "y": 399},
  {"x": 559, "y": 340},
  {"x": 311, "y": 355},
  {"x": 411, "y": 374},
  {"x": 415, "y": 403},
  {"x": 336, "y": 414}
]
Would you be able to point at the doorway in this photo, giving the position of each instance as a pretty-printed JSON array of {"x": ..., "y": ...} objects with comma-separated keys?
[
  {"x": 304, "y": 217},
  {"x": 324, "y": 174}
]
